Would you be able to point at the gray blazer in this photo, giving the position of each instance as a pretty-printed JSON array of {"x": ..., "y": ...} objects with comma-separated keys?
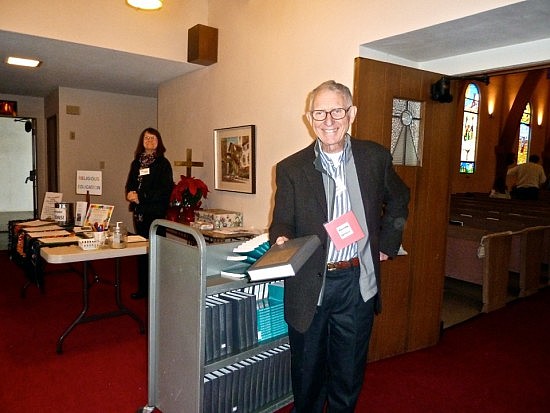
[{"x": 301, "y": 209}]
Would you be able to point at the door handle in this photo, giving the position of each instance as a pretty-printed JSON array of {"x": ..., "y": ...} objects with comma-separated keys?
[{"x": 31, "y": 177}]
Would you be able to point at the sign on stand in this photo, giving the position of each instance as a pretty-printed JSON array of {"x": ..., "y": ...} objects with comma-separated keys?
[{"x": 88, "y": 182}]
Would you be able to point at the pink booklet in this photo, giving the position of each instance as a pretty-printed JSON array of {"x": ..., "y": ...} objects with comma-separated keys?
[{"x": 344, "y": 230}]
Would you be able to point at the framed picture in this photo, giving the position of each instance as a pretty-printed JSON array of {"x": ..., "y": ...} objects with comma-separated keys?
[{"x": 235, "y": 159}]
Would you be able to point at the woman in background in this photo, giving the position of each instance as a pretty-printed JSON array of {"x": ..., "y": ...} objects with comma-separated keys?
[{"x": 148, "y": 190}]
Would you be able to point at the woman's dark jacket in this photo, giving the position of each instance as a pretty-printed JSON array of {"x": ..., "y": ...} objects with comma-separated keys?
[{"x": 154, "y": 189}]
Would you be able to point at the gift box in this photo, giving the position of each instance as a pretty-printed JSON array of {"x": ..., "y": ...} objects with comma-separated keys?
[{"x": 220, "y": 218}]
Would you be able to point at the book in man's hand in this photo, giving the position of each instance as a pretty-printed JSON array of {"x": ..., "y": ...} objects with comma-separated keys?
[{"x": 285, "y": 260}]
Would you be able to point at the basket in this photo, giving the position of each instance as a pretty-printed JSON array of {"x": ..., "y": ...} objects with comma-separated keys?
[{"x": 88, "y": 244}]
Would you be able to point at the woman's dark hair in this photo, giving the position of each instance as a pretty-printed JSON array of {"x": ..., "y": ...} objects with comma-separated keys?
[{"x": 160, "y": 147}]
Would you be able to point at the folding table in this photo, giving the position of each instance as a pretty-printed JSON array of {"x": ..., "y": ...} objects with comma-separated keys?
[{"x": 73, "y": 253}]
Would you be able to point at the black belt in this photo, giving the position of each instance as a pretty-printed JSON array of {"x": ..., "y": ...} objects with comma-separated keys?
[{"x": 343, "y": 265}]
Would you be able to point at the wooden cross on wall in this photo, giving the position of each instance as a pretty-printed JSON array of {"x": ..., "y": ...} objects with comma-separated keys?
[{"x": 188, "y": 163}]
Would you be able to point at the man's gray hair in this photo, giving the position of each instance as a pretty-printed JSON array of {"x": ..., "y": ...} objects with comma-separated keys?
[{"x": 333, "y": 86}]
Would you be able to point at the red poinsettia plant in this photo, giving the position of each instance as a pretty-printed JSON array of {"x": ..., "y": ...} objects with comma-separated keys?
[{"x": 189, "y": 191}]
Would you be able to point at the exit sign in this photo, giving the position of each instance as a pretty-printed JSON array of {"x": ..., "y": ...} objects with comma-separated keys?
[{"x": 8, "y": 107}]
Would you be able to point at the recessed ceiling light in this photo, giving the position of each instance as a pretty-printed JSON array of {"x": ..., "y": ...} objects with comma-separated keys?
[
  {"x": 145, "y": 4},
  {"x": 18, "y": 61}
]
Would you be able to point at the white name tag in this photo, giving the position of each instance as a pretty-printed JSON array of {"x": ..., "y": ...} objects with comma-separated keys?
[{"x": 144, "y": 171}]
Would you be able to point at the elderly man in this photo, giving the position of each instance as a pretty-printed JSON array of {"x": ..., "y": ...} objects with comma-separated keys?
[{"x": 331, "y": 302}]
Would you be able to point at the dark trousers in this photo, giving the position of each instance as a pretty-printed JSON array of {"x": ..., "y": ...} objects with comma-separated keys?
[
  {"x": 525, "y": 193},
  {"x": 328, "y": 361}
]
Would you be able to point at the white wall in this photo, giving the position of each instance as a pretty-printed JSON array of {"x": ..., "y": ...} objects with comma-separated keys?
[
  {"x": 108, "y": 23},
  {"x": 107, "y": 130},
  {"x": 271, "y": 54},
  {"x": 523, "y": 54}
]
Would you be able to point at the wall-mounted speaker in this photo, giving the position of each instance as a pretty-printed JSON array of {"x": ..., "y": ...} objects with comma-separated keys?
[
  {"x": 441, "y": 90},
  {"x": 202, "y": 46}
]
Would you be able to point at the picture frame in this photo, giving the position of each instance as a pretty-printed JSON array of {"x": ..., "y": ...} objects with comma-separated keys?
[
  {"x": 235, "y": 159},
  {"x": 99, "y": 216}
]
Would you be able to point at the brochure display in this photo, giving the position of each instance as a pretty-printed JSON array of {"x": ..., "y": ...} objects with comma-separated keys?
[
  {"x": 48, "y": 206},
  {"x": 207, "y": 352}
]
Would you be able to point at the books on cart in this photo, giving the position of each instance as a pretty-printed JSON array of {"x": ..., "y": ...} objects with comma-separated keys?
[
  {"x": 281, "y": 261},
  {"x": 261, "y": 262}
]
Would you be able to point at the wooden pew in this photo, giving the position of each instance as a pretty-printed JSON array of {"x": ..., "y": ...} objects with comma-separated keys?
[
  {"x": 481, "y": 257},
  {"x": 529, "y": 223},
  {"x": 505, "y": 208},
  {"x": 532, "y": 244}
]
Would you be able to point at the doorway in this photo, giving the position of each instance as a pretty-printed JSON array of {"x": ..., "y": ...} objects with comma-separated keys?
[
  {"x": 412, "y": 287},
  {"x": 18, "y": 179}
]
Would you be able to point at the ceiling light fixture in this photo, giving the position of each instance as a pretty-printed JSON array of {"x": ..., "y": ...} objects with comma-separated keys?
[
  {"x": 145, "y": 4},
  {"x": 18, "y": 61}
]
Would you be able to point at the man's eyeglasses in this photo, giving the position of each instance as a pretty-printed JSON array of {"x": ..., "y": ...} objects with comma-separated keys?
[{"x": 336, "y": 114}]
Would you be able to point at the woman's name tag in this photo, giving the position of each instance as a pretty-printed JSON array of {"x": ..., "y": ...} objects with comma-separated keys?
[{"x": 144, "y": 171}]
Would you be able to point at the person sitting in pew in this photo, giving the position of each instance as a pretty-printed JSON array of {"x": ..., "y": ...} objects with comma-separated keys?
[{"x": 529, "y": 177}]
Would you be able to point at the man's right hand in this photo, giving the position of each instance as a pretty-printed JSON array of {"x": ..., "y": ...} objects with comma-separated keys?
[{"x": 281, "y": 240}]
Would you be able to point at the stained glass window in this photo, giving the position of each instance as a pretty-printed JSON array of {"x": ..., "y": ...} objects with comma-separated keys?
[
  {"x": 406, "y": 132},
  {"x": 470, "y": 124},
  {"x": 524, "y": 141}
]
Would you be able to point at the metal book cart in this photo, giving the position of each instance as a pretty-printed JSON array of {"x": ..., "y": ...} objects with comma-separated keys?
[{"x": 183, "y": 272}]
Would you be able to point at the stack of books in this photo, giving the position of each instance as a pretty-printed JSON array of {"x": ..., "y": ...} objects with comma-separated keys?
[
  {"x": 248, "y": 385},
  {"x": 279, "y": 326},
  {"x": 230, "y": 324},
  {"x": 263, "y": 315},
  {"x": 270, "y": 313},
  {"x": 240, "y": 319},
  {"x": 244, "y": 255},
  {"x": 264, "y": 262},
  {"x": 253, "y": 248}
]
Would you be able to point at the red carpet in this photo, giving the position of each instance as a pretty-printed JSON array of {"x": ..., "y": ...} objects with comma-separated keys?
[
  {"x": 498, "y": 362},
  {"x": 104, "y": 363}
]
